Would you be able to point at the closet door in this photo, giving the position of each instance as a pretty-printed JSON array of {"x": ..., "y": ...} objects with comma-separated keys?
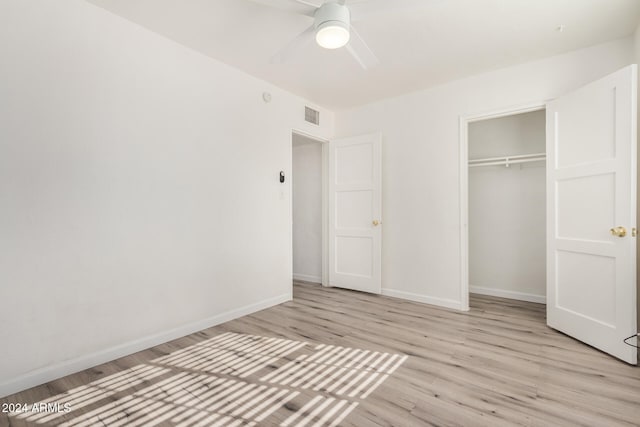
[{"x": 591, "y": 213}]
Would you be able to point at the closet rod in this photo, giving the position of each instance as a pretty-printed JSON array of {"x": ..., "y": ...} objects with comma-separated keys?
[
  {"x": 503, "y": 158},
  {"x": 506, "y": 162}
]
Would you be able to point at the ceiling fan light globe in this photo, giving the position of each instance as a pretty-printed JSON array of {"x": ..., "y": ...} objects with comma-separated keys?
[{"x": 332, "y": 35}]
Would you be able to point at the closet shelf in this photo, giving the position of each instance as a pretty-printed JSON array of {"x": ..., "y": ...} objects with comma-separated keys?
[{"x": 508, "y": 160}]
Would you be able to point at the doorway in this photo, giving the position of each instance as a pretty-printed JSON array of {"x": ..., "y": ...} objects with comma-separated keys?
[
  {"x": 507, "y": 200},
  {"x": 308, "y": 205},
  {"x": 336, "y": 211},
  {"x": 503, "y": 194}
]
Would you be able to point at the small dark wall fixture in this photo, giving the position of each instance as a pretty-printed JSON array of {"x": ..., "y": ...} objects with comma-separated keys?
[{"x": 281, "y": 176}]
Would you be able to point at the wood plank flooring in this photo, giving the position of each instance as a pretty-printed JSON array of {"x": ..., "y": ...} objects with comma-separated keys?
[{"x": 498, "y": 364}]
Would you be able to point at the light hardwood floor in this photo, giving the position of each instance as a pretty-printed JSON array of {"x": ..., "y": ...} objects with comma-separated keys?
[{"x": 498, "y": 364}]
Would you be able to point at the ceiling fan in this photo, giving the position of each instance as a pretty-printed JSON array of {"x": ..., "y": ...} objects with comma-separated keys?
[{"x": 332, "y": 26}]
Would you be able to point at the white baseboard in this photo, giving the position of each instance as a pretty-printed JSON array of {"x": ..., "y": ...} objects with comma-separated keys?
[
  {"x": 441, "y": 302},
  {"x": 59, "y": 370},
  {"x": 307, "y": 278},
  {"x": 522, "y": 296}
]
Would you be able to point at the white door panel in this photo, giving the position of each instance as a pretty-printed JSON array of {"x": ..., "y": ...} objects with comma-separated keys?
[
  {"x": 591, "y": 188},
  {"x": 354, "y": 204},
  {"x": 573, "y": 201}
]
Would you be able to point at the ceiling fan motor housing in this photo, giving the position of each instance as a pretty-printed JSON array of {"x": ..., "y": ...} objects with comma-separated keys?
[{"x": 332, "y": 15}]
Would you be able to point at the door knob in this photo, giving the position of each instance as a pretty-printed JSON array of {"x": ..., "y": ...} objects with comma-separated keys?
[
  {"x": 618, "y": 231},
  {"x": 375, "y": 222}
]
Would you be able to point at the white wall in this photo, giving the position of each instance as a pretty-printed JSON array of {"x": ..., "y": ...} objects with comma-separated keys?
[
  {"x": 307, "y": 209},
  {"x": 507, "y": 234},
  {"x": 522, "y": 133},
  {"x": 421, "y": 206},
  {"x": 636, "y": 46},
  {"x": 139, "y": 192}
]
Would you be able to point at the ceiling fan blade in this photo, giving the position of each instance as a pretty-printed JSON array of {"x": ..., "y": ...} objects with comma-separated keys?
[
  {"x": 361, "y": 51},
  {"x": 293, "y": 46},
  {"x": 363, "y": 9},
  {"x": 301, "y": 7},
  {"x": 314, "y": 3}
]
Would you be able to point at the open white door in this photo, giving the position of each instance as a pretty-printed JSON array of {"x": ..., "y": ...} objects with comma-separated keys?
[
  {"x": 355, "y": 208},
  {"x": 591, "y": 198}
]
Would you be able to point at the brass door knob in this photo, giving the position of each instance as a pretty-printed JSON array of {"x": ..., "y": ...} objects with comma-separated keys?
[
  {"x": 618, "y": 231},
  {"x": 375, "y": 222}
]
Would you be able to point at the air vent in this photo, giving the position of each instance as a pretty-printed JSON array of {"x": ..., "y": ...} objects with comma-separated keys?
[{"x": 311, "y": 115}]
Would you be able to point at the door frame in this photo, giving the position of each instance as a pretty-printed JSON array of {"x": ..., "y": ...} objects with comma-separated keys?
[
  {"x": 464, "y": 184},
  {"x": 325, "y": 202}
]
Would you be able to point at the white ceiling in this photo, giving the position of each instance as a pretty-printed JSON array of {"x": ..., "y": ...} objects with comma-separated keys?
[{"x": 418, "y": 47}]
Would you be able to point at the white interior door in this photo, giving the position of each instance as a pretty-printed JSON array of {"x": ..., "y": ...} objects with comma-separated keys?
[
  {"x": 591, "y": 190},
  {"x": 355, "y": 208}
]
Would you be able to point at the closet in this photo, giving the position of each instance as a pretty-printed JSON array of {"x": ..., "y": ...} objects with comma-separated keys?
[{"x": 507, "y": 198}]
